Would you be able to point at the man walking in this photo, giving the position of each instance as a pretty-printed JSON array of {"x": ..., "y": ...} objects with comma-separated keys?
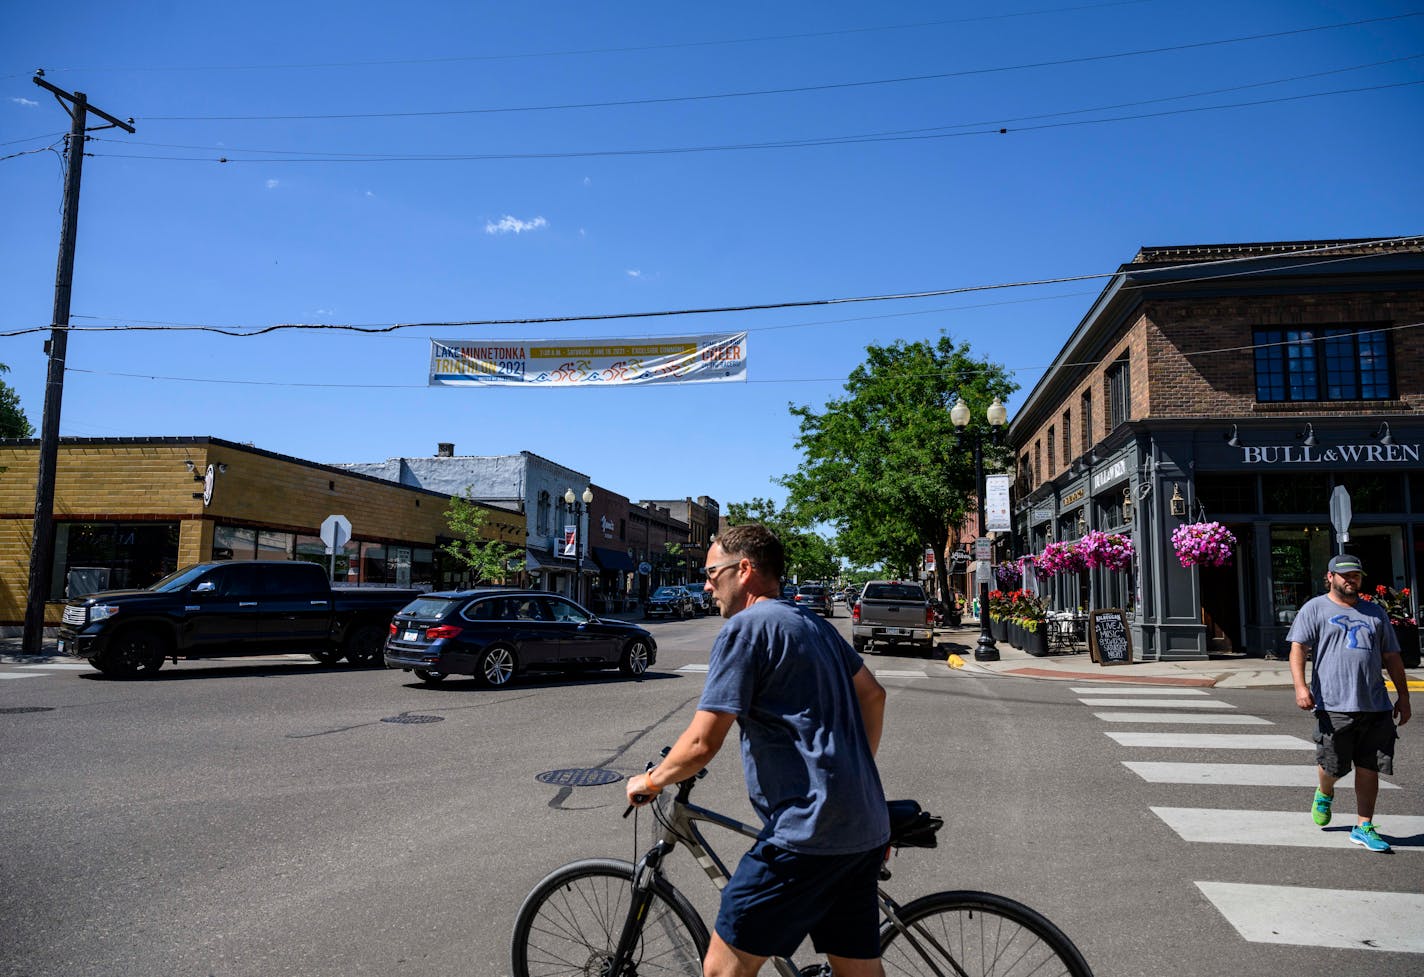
[
  {"x": 810, "y": 715},
  {"x": 1353, "y": 642}
]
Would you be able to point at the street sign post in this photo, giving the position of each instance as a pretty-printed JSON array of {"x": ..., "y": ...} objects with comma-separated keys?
[
  {"x": 335, "y": 531},
  {"x": 1340, "y": 514}
]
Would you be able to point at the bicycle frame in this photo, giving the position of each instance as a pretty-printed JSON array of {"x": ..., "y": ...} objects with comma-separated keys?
[{"x": 681, "y": 828}]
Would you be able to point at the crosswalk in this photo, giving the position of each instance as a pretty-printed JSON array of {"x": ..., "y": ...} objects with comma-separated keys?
[
  {"x": 1260, "y": 913},
  {"x": 14, "y": 671}
]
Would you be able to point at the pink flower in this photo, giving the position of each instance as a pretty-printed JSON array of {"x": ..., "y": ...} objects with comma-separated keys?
[{"x": 1203, "y": 544}]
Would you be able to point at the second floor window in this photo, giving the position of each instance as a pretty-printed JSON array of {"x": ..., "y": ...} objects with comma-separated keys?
[
  {"x": 1067, "y": 437},
  {"x": 1085, "y": 424},
  {"x": 544, "y": 514},
  {"x": 1052, "y": 449},
  {"x": 1333, "y": 363},
  {"x": 1119, "y": 391}
]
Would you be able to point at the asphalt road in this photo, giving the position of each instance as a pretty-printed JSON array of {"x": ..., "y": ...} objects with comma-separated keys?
[{"x": 259, "y": 818}]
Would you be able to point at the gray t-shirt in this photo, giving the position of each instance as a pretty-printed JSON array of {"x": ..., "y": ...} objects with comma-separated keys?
[
  {"x": 1348, "y": 642},
  {"x": 786, "y": 675}
]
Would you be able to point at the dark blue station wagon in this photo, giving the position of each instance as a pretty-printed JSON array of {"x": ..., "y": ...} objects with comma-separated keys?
[{"x": 495, "y": 633}]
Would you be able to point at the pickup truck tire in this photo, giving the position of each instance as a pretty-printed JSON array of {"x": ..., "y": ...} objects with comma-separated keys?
[
  {"x": 134, "y": 650},
  {"x": 429, "y": 676},
  {"x": 365, "y": 645},
  {"x": 496, "y": 667},
  {"x": 860, "y": 645},
  {"x": 329, "y": 656},
  {"x": 634, "y": 660}
]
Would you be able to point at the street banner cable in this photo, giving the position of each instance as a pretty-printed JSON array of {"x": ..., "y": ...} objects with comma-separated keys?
[{"x": 588, "y": 363}]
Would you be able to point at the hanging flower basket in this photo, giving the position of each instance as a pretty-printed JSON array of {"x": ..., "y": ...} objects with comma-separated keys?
[
  {"x": 1203, "y": 544},
  {"x": 1059, "y": 558},
  {"x": 1109, "y": 550},
  {"x": 1009, "y": 575}
]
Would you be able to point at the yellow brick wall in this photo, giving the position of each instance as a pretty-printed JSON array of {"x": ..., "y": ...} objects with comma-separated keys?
[{"x": 106, "y": 482}]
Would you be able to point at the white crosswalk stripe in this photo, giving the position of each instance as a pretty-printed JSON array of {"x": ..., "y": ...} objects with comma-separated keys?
[
  {"x": 897, "y": 673},
  {"x": 1291, "y": 828},
  {"x": 1239, "y": 774},
  {"x": 1344, "y": 918},
  {"x": 1213, "y": 741},
  {"x": 1159, "y": 703},
  {"x": 1131, "y": 690},
  {"x": 4, "y": 675},
  {"x": 63, "y": 667},
  {"x": 1199, "y": 718},
  {"x": 693, "y": 668}
]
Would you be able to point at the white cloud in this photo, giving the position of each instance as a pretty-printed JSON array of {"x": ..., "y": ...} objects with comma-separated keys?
[
  {"x": 28, "y": 103},
  {"x": 634, "y": 273},
  {"x": 513, "y": 225},
  {"x": 369, "y": 193},
  {"x": 272, "y": 184},
  {"x": 324, "y": 313}
]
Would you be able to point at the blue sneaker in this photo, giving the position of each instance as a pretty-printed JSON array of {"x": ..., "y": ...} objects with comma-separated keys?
[
  {"x": 1321, "y": 809},
  {"x": 1365, "y": 834}
]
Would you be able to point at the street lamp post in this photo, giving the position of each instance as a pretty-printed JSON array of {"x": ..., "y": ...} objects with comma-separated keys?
[
  {"x": 577, "y": 510},
  {"x": 985, "y": 649}
]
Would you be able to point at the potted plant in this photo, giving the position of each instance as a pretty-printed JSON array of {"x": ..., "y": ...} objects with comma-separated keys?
[
  {"x": 1059, "y": 558},
  {"x": 1206, "y": 544},
  {"x": 1108, "y": 550},
  {"x": 1032, "y": 615},
  {"x": 1398, "y": 604}
]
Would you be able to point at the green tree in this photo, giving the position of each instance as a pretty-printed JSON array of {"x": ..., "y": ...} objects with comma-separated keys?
[
  {"x": 884, "y": 465},
  {"x": 13, "y": 422},
  {"x": 487, "y": 559},
  {"x": 809, "y": 555}
]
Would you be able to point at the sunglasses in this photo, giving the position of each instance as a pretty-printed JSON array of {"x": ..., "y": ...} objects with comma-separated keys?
[{"x": 707, "y": 572}]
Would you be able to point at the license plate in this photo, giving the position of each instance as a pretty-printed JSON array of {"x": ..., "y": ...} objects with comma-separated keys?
[
  {"x": 409, "y": 636},
  {"x": 897, "y": 630}
]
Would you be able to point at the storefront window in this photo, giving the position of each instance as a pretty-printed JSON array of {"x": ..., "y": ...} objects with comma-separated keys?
[
  {"x": 311, "y": 549},
  {"x": 1297, "y": 493},
  {"x": 374, "y": 566},
  {"x": 234, "y": 543},
  {"x": 1299, "y": 555},
  {"x": 274, "y": 545},
  {"x": 1227, "y": 493},
  {"x": 89, "y": 557},
  {"x": 1373, "y": 493}
]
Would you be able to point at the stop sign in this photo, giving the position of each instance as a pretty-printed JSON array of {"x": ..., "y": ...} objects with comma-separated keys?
[{"x": 335, "y": 531}]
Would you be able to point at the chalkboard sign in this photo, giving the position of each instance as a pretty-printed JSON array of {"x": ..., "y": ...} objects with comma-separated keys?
[{"x": 1109, "y": 641}]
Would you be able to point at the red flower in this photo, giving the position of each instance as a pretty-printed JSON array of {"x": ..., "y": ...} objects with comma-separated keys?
[{"x": 1381, "y": 589}]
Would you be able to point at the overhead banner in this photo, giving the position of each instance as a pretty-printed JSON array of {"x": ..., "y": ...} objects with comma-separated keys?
[
  {"x": 588, "y": 363},
  {"x": 996, "y": 504}
]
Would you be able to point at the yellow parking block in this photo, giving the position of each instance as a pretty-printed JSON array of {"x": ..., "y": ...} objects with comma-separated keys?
[
  {"x": 954, "y": 661},
  {"x": 1414, "y": 684}
]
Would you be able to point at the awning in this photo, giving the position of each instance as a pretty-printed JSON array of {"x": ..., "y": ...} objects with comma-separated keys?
[
  {"x": 544, "y": 561},
  {"x": 613, "y": 559}
]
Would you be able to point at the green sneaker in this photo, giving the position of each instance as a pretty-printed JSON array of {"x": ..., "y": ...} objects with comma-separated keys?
[
  {"x": 1365, "y": 834},
  {"x": 1320, "y": 811}
]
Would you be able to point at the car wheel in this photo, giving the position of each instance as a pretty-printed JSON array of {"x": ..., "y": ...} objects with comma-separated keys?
[
  {"x": 635, "y": 658},
  {"x": 366, "y": 645},
  {"x": 328, "y": 656},
  {"x": 135, "y": 650},
  {"x": 429, "y": 676},
  {"x": 496, "y": 667},
  {"x": 860, "y": 645}
]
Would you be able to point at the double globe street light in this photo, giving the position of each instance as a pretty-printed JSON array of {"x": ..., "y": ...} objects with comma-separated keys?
[
  {"x": 985, "y": 650},
  {"x": 576, "y": 511}
]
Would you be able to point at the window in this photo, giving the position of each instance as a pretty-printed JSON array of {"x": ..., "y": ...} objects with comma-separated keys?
[
  {"x": 1119, "y": 392},
  {"x": 1085, "y": 427},
  {"x": 1331, "y": 363},
  {"x": 542, "y": 525},
  {"x": 1067, "y": 437},
  {"x": 1227, "y": 493},
  {"x": 1299, "y": 493},
  {"x": 93, "y": 556},
  {"x": 1052, "y": 448}
]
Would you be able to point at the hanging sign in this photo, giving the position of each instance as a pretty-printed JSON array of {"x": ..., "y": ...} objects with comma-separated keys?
[
  {"x": 588, "y": 362},
  {"x": 570, "y": 540},
  {"x": 996, "y": 503}
]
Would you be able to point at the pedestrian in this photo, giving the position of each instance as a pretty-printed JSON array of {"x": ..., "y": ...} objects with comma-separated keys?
[
  {"x": 810, "y": 715},
  {"x": 1354, "y": 722}
]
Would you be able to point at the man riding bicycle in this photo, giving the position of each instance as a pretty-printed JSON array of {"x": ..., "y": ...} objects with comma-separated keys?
[{"x": 810, "y": 715}]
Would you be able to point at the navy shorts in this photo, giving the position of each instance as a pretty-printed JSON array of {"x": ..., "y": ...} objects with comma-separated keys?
[
  {"x": 1364, "y": 739},
  {"x": 777, "y": 898}
]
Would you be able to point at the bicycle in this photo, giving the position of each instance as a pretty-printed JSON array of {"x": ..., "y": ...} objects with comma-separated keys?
[{"x": 605, "y": 917}]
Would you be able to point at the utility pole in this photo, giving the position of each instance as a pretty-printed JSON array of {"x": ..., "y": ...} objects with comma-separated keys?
[{"x": 42, "y": 545}]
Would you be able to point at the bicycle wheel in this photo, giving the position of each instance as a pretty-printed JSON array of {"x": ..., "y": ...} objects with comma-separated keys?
[
  {"x": 975, "y": 934},
  {"x": 570, "y": 923}
]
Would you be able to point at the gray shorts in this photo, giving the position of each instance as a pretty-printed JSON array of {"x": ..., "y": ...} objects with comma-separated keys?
[{"x": 1364, "y": 739}]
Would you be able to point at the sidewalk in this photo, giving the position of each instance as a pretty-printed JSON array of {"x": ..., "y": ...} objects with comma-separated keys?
[{"x": 1226, "y": 671}]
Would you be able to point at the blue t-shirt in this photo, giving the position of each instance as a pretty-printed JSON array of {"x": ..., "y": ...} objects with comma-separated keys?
[
  {"x": 1348, "y": 642},
  {"x": 786, "y": 675}
]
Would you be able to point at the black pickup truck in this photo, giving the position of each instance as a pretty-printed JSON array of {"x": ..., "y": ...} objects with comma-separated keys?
[{"x": 243, "y": 607}]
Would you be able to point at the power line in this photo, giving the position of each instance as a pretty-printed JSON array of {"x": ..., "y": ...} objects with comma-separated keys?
[
  {"x": 802, "y": 89},
  {"x": 855, "y": 136}
]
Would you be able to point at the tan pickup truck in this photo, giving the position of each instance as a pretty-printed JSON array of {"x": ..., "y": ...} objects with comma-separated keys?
[{"x": 892, "y": 612}]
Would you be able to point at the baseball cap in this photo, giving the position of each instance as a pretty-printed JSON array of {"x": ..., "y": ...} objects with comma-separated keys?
[{"x": 1346, "y": 564}]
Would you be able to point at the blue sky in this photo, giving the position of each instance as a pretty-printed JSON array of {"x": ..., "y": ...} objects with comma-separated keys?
[{"x": 570, "y": 214}]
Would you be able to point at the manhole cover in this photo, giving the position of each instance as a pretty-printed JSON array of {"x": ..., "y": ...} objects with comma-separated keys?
[
  {"x": 408, "y": 719},
  {"x": 15, "y": 709},
  {"x": 578, "y": 777}
]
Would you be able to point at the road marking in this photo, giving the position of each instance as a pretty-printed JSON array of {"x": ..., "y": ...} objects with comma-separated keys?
[
  {"x": 693, "y": 668},
  {"x": 894, "y": 673},
  {"x": 1238, "y": 774},
  {"x": 1160, "y": 703},
  {"x": 1292, "y": 828},
  {"x": 61, "y": 666},
  {"x": 1301, "y": 916},
  {"x": 20, "y": 675},
  {"x": 1108, "y": 690},
  {"x": 1213, "y": 741},
  {"x": 1228, "y": 719}
]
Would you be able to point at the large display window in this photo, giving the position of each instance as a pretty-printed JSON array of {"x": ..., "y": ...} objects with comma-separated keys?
[{"x": 94, "y": 556}]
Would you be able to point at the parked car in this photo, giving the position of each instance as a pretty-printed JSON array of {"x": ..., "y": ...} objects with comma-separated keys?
[
  {"x": 706, "y": 603},
  {"x": 229, "y": 607},
  {"x": 816, "y": 598},
  {"x": 892, "y": 612},
  {"x": 669, "y": 602},
  {"x": 788, "y": 593},
  {"x": 495, "y": 634}
]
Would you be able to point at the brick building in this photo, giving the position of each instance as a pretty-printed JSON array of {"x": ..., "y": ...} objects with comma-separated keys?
[
  {"x": 1235, "y": 383},
  {"x": 129, "y": 510},
  {"x": 701, "y": 516}
]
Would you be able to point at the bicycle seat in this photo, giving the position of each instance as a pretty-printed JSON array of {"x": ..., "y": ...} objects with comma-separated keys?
[{"x": 911, "y": 826}]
